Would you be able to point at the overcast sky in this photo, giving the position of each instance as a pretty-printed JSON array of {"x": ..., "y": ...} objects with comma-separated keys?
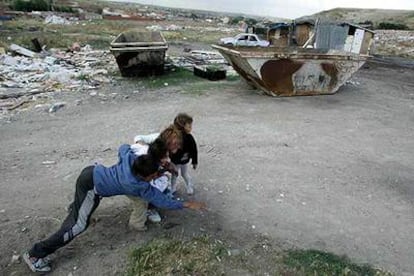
[{"x": 280, "y": 8}]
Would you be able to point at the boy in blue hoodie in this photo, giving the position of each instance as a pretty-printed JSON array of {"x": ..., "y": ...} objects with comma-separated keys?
[{"x": 130, "y": 176}]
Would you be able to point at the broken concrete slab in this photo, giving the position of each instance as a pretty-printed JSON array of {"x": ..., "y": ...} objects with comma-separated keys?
[{"x": 22, "y": 51}]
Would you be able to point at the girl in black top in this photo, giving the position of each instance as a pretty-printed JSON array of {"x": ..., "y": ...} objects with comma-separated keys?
[{"x": 188, "y": 151}]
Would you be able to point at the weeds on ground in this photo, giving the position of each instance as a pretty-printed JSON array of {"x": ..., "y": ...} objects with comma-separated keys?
[
  {"x": 98, "y": 33},
  {"x": 186, "y": 80},
  {"x": 233, "y": 78},
  {"x": 314, "y": 262},
  {"x": 198, "y": 256},
  {"x": 175, "y": 77},
  {"x": 192, "y": 36},
  {"x": 206, "y": 256}
]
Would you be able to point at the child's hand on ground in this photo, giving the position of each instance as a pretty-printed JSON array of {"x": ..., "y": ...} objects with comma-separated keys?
[
  {"x": 194, "y": 166},
  {"x": 195, "y": 205}
]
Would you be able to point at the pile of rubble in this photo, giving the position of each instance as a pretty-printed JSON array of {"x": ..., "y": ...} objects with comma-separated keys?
[
  {"x": 197, "y": 57},
  {"x": 23, "y": 72},
  {"x": 396, "y": 43},
  {"x": 201, "y": 29}
]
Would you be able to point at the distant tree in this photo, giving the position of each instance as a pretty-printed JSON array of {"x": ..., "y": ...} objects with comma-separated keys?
[
  {"x": 194, "y": 16},
  {"x": 392, "y": 26},
  {"x": 366, "y": 22},
  {"x": 32, "y": 5},
  {"x": 20, "y": 5},
  {"x": 64, "y": 9},
  {"x": 40, "y": 5},
  {"x": 236, "y": 20},
  {"x": 250, "y": 21}
]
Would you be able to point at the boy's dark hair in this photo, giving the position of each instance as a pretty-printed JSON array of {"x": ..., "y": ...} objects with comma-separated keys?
[
  {"x": 182, "y": 119},
  {"x": 158, "y": 149},
  {"x": 144, "y": 166}
]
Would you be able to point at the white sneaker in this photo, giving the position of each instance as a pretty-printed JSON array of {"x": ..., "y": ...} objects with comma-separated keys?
[
  {"x": 153, "y": 216},
  {"x": 37, "y": 264},
  {"x": 190, "y": 190}
]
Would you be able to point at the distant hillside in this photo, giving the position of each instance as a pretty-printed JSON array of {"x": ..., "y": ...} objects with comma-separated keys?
[{"x": 376, "y": 16}]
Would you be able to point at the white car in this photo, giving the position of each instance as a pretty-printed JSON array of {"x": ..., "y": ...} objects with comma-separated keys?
[{"x": 244, "y": 40}]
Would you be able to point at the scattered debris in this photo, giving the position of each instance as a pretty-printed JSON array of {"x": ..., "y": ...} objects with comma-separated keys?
[
  {"x": 56, "y": 106},
  {"x": 210, "y": 72},
  {"x": 75, "y": 47},
  {"x": 234, "y": 252},
  {"x": 22, "y": 51},
  {"x": 54, "y": 19},
  {"x": 37, "y": 45},
  {"x": 19, "y": 103},
  {"x": 201, "y": 61},
  {"x": 15, "y": 259},
  {"x": 51, "y": 71}
]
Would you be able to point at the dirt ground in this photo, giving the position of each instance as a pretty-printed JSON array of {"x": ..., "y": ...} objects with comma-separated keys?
[{"x": 331, "y": 172}]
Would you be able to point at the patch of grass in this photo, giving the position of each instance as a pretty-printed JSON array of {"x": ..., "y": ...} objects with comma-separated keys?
[
  {"x": 196, "y": 35},
  {"x": 314, "y": 262},
  {"x": 173, "y": 35},
  {"x": 98, "y": 33},
  {"x": 204, "y": 255},
  {"x": 199, "y": 256},
  {"x": 233, "y": 78},
  {"x": 182, "y": 79},
  {"x": 177, "y": 77},
  {"x": 83, "y": 77},
  {"x": 105, "y": 29}
]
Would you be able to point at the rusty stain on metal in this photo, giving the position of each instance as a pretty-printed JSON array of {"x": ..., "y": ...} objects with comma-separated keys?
[
  {"x": 277, "y": 75},
  {"x": 332, "y": 71},
  {"x": 293, "y": 72}
]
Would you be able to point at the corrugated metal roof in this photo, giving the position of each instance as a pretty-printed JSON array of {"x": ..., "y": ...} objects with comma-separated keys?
[{"x": 329, "y": 36}]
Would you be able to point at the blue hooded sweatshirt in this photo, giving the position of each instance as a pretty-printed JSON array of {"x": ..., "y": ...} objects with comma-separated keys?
[{"x": 119, "y": 180}]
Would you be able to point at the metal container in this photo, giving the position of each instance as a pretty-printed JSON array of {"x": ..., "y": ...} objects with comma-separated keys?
[
  {"x": 318, "y": 61},
  {"x": 139, "y": 53},
  {"x": 293, "y": 72}
]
